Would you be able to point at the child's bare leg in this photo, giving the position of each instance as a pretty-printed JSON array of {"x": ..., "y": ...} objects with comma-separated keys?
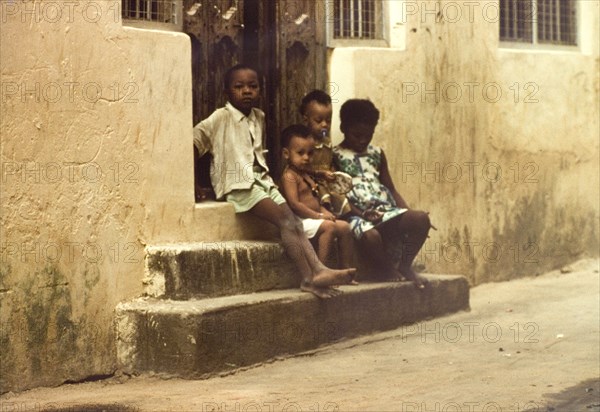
[
  {"x": 413, "y": 227},
  {"x": 325, "y": 240},
  {"x": 345, "y": 245},
  {"x": 327, "y": 234},
  {"x": 299, "y": 249},
  {"x": 372, "y": 243},
  {"x": 323, "y": 276},
  {"x": 269, "y": 210}
]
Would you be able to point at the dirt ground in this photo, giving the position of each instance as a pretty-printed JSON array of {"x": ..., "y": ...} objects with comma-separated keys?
[{"x": 529, "y": 344}]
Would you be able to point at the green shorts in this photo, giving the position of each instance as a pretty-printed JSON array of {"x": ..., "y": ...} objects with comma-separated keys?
[{"x": 245, "y": 199}]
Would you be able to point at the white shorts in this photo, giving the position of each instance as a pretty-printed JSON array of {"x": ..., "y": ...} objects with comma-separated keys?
[{"x": 311, "y": 226}]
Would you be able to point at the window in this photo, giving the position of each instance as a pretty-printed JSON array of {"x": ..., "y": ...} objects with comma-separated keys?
[
  {"x": 157, "y": 14},
  {"x": 356, "y": 23},
  {"x": 539, "y": 22}
]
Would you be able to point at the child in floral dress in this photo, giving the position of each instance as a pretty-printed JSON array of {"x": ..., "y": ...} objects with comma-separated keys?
[{"x": 389, "y": 231}]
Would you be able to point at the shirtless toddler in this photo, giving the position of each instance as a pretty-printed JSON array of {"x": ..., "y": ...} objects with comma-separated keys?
[{"x": 300, "y": 191}]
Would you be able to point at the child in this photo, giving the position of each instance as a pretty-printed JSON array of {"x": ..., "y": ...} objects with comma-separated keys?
[
  {"x": 299, "y": 189},
  {"x": 316, "y": 112},
  {"x": 239, "y": 173},
  {"x": 381, "y": 218}
]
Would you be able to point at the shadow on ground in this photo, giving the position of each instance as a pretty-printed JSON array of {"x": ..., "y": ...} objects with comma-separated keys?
[{"x": 584, "y": 396}]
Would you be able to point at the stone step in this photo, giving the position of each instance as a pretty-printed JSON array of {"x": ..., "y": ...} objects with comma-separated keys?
[
  {"x": 200, "y": 337},
  {"x": 211, "y": 269}
]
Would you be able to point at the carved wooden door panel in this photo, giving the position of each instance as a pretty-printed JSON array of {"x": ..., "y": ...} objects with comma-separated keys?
[
  {"x": 216, "y": 30},
  {"x": 300, "y": 64},
  {"x": 302, "y": 52}
]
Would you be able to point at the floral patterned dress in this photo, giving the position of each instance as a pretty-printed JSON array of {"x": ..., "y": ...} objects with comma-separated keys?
[{"x": 368, "y": 191}]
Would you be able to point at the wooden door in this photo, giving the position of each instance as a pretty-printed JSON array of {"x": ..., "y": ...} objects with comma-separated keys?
[
  {"x": 295, "y": 39},
  {"x": 216, "y": 31},
  {"x": 283, "y": 39}
]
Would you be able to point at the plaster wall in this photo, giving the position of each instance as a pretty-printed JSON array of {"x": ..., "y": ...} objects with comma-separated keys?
[
  {"x": 500, "y": 145},
  {"x": 96, "y": 163}
]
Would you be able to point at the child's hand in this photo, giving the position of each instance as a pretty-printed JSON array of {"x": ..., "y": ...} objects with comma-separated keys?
[
  {"x": 327, "y": 215},
  {"x": 372, "y": 215},
  {"x": 328, "y": 175}
]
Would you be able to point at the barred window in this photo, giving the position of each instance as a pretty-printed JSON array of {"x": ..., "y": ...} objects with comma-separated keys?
[
  {"x": 354, "y": 22},
  {"x": 539, "y": 22},
  {"x": 161, "y": 14}
]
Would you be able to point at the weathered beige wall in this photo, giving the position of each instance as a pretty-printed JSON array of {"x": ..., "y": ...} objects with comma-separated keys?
[
  {"x": 512, "y": 184},
  {"x": 87, "y": 180}
]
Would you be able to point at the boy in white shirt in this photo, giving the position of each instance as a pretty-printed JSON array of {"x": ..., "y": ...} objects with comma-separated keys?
[{"x": 239, "y": 173}]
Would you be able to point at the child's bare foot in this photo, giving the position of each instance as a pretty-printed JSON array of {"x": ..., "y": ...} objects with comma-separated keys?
[
  {"x": 329, "y": 277},
  {"x": 320, "y": 292},
  {"x": 419, "y": 281}
]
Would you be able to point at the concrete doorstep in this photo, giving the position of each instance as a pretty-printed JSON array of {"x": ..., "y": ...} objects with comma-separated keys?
[
  {"x": 201, "y": 337},
  {"x": 211, "y": 269}
]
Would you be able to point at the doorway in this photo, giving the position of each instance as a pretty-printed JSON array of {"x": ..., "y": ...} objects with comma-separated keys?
[{"x": 283, "y": 39}]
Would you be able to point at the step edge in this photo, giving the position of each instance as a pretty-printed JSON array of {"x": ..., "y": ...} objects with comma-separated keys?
[
  {"x": 154, "y": 305},
  {"x": 206, "y": 245}
]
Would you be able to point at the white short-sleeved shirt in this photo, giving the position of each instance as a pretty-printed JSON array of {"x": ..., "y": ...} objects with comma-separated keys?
[{"x": 235, "y": 141}]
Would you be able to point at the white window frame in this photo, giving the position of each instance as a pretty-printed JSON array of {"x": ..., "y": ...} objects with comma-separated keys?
[
  {"x": 535, "y": 43},
  {"x": 145, "y": 22},
  {"x": 356, "y": 42}
]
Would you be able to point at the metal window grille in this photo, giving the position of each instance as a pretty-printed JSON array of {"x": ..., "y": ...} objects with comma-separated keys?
[
  {"x": 539, "y": 21},
  {"x": 153, "y": 13},
  {"x": 358, "y": 19}
]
